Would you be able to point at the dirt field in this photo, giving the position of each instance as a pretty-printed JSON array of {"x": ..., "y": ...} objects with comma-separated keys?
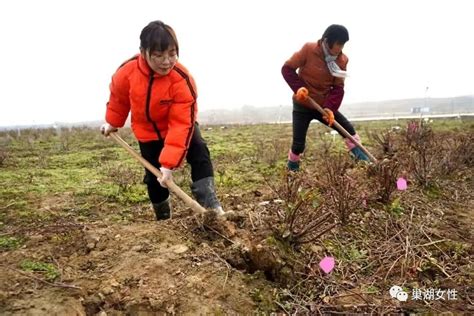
[{"x": 78, "y": 237}]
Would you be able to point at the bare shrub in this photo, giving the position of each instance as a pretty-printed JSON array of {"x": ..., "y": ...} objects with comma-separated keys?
[
  {"x": 324, "y": 146},
  {"x": 122, "y": 175},
  {"x": 459, "y": 153},
  {"x": 465, "y": 150},
  {"x": 430, "y": 156},
  {"x": 385, "y": 141},
  {"x": 415, "y": 132},
  {"x": 314, "y": 205},
  {"x": 31, "y": 143},
  {"x": 269, "y": 152},
  {"x": 3, "y": 156},
  {"x": 423, "y": 153},
  {"x": 233, "y": 157},
  {"x": 182, "y": 176},
  {"x": 64, "y": 139},
  {"x": 44, "y": 158},
  {"x": 259, "y": 151},
  {"x": 341, "y": 190},
  {"x": 385, "y": 174},
  {"x": 223, "y": 175},
  {"x": 304, "y": 218},
  {"x": 5, "y": 141}
]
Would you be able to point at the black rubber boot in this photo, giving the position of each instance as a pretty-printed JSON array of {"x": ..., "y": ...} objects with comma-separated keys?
[
  {"x": 162, "y": 210},
  {"x": 204, "y": 192}
]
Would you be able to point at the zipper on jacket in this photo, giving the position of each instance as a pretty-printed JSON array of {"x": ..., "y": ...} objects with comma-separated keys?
[
  {"x": 148, "y": 98},
  {"x": 193, "y": 93}
]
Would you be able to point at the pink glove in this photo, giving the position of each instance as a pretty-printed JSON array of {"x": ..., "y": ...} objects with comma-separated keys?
[{"x": 167, "y": 175}]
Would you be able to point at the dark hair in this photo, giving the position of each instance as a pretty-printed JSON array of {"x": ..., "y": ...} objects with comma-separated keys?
[
  {"x": 336, "y": 33},
  {"x": 157, "y": 36}
]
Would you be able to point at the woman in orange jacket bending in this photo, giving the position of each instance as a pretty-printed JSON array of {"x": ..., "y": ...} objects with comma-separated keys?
[
  {"x": 161, "y": 96},
  {"x": 321, "y": 68}
]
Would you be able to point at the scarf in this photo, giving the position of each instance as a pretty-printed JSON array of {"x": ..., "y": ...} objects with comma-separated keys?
[{"x": 331, "y": 63}]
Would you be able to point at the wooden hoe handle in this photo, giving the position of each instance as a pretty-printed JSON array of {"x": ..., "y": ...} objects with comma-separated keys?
[
  {"x": 171, "y": 185},
  {"x": 304, "y": 92}
]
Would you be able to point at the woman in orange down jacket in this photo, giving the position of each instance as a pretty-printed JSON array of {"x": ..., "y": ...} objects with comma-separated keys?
[
  {"x": 161, "y": 96},
  {"x": 321, "y": 68}
]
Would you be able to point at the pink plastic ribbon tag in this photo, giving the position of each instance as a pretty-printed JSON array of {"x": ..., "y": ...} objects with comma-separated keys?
[
  {"x": 401, "y": 184},
  {"x": 327, "y": 264}
]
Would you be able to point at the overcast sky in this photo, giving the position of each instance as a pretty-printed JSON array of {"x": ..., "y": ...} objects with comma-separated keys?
[{"x": 57, "y": 57}]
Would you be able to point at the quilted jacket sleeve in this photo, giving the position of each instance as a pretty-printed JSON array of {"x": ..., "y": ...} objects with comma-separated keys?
[{"x": 118, "y": 105}]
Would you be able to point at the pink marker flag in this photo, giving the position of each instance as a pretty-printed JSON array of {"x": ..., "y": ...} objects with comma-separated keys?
[
  {"x": 327, "y": 264},
  {"x": 401, "y": 184}
]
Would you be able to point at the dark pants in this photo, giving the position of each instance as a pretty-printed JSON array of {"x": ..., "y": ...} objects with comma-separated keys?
[
  {"x": 301, "y": 119},
  {"x": 198, "y": 157}
]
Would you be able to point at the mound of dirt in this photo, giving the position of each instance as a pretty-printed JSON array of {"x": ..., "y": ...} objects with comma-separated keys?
[{"x": 133, "y": 269}]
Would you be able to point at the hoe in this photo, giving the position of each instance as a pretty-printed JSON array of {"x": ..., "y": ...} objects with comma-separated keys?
[
  {"x": 304, "y": 93},
  {"x": 171, "y": 185}
]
